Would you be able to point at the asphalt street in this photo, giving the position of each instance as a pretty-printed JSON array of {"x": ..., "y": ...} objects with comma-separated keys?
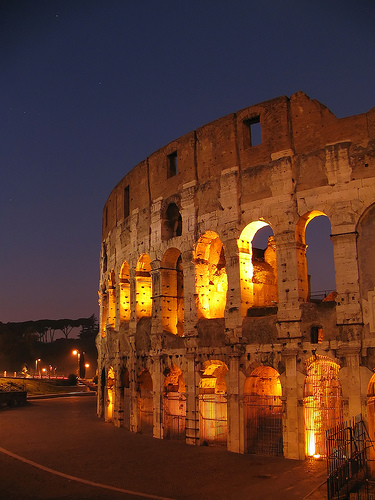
[{"x": 59, "y": 449}]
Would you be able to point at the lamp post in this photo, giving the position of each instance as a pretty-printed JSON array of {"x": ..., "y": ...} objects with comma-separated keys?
[
  {"x": 37, "y": 365},
  {"x": 81, "y": 367}
]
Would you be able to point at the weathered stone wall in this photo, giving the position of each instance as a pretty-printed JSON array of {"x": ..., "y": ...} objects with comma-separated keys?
[{"x": 213, "y": 305}]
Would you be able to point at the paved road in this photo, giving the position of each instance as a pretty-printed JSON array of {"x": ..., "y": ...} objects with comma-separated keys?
[{"x": 63, "y": 436}]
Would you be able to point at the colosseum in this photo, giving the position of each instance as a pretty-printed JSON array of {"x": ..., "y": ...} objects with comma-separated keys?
[{"x": 205, "y": 337}]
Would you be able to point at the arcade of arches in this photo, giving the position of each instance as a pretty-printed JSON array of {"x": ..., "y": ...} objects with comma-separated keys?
[{"x": 212, "y": 328}]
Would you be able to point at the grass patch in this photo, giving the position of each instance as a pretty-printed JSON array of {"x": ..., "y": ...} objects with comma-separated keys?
[{"x": 33, "y": 387}]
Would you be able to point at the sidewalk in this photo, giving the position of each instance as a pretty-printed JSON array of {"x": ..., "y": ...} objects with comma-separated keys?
[{"x": 64, "y": 435}]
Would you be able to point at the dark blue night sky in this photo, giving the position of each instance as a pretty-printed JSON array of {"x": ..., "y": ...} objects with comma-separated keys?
[{"x": 90, "y": 88}]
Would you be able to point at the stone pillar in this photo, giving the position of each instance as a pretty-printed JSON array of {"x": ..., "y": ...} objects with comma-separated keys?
[
  {"x": 156, "y": 318},
  {"x": 133, "y": 305},
  {"x": 233, "y": 319},
  {"x": 348, "y": 309},
  {"x": 133, "y": 380},
  {"x": 156, "y": 220},
  {"x": 157, "y": 383},
  {"x": 350, "y": 378},
  {"x": 289, "y": 313},
  {"x": 190, "y": 308},
  {"x": 118, "y": 411},
  {"x": 293, "y": 435},
  {"x": 192, "y": 388},
  {"x": 233, "y": 415},
  {"x": 188, "y": 211}
]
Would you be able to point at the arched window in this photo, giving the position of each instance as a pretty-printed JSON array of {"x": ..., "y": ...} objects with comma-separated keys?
[
  {"x": 174, "y": 404},
  {"x": 263, "y": 412},
  {"x": 315, "y": 261},
  {"x": 211, "y": 281},
  {"x": 258, "y": 266},
  {"x": 323, "y": 404},
  {"x": 213, "y": 403},
  {"x": 172, "y": 281},
  {"x": 173, "y": 222},
  {"x": 111, "y": 318},
  {"x": 124, "y": 293},
  {"x": 143, "y": 287}
]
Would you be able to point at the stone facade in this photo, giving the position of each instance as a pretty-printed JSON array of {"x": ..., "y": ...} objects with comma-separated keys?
[{"x": 206, "y": 339}]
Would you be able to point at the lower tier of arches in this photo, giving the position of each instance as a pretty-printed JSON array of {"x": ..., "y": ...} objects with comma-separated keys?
[{"x": 276, "y": 402}]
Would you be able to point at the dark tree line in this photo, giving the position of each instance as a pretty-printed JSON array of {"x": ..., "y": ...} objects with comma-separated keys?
[{"x": 22, "y": 343}]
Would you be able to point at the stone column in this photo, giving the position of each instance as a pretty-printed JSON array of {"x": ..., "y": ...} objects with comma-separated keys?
[
  {"x": 350, "y": 378},
  {"x": 289, "y": 313},
  {"x": 133, "y": 380},
  {"x": 293, "y": 435},
  {"x": 192, "y": 388},
  {"x": 156, "y": 318},
  {"x": 233, "y": 319},
  {"x": 233, "y": 415},
  {"x": 118, "y": 413},
  {"x": 190, "y": 308},
  {"x": 157, "y": 383},
  {"x": 348, "y": 309}
]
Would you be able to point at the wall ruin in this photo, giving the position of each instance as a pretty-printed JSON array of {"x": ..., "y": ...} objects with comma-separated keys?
[{"x": 206, "y": 338}]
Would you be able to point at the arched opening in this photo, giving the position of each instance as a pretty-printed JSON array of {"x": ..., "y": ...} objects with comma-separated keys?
[
  {"x": 323, "y": 404},
  {"x": 258, "y": 266},
  {"x": 172, "y": 282},
  {"x": 124, "y": 293},
  {"x": 145, "y": 403},
  {"x": 173, "y": 222},
  {"x": 315, "y": 260},
  {"x": 125, "y": 394},
  {"x": 110, "y": 394},
  {"x": 111, "y": 318},
  {"x": 213, "y": 404},
  {"x": 263, "y": 412},
  {"x": 211, "y": 283},
  {"x": 365, "y": 248},
  {"x": 143, "y": 287},
  {"x": 174, "y": 404}
]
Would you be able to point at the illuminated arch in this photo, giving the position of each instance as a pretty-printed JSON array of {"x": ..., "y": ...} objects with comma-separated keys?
[
  {"x": 110, "y": 394},
  {"x": 213, "y": 403},
  {"x": 300, "y": 236},
  {"x": 365, "y": 247},
  {"x": 211, "y": 283},
  {"x": 174, "y": 404},
  {"x": 323, "y": 403},
  {"x": 258, "y": 270},
  {"x": 124, "y": 293},
  {"x": 143, "y": 287},
  {"x": 263, "y": 412},
  {"x": 145, "y": 403},
  {"x": 111, "y": 316},
  {"x": 172, "y": 282}
]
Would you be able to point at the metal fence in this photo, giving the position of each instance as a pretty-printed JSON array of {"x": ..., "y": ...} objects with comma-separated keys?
[
  {"x": 347, "y": 445},
  {"x": 264, "y": 431}
]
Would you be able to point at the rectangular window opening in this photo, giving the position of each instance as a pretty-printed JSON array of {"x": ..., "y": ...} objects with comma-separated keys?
[
  {"x": 126, "y": 202},
  {"x": 252, "y": 132},
  {"x": 172, "y": 164}
]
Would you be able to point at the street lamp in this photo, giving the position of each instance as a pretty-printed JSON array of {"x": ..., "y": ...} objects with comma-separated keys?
[
  {"x": 37, "y": 365},
  {"x": 81, "y": 367}
]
